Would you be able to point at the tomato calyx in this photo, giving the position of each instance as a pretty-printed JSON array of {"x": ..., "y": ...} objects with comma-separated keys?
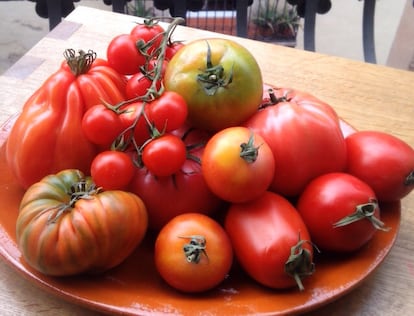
[
  {"x": 363, "y": 211},
  {"x": 79, "y": 63},
  {"x": 273, "y": 99},
  {"x": 82, "y": 189},
  {"x": 195, "y": 248},
  {"x": 248, "y": 152},
  {"x": 299, "y": 263},
  {"x": 409, "y": 180},
  {"x": 214, "y": 76}
]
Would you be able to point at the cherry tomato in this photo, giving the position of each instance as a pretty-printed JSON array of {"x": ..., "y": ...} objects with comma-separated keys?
[
  {"x": 340, "y": 211},
  {"x": 383, "y": 161},
  {"x": 193, "y": 253},
  {"x": 101, "y": 125},
  {"x": 237, "y": 164},
  {"x": 138, "y": 85},
  {"x": 133, "y": 121},
  {"x": 112, "y": 170},
  {"x": 172, "y": 49},
  {"x": 270, "y": 240},
  {"x": 123, "y": 55},
  {"x": 164, "y": 155},
  {"x": 150, "y": 33},
  {"x": 168, "y": 112}
]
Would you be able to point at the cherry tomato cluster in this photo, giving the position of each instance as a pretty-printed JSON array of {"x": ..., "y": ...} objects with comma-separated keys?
[{"x": 231, "y": 169}]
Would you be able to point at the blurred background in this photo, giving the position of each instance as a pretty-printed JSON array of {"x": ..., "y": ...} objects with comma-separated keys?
[{"x": 338, "y": 27}]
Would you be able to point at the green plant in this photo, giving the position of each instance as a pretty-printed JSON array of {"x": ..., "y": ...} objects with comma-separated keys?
[
  {"x": 276, "y": 21},
  {"x": 138, "y": 8}
]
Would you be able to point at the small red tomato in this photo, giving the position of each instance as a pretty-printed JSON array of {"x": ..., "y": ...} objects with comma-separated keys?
[
  {"x": 101, "y": 125},
  {"x": 164, "y": 155},
  {"x": 383, "y": 161},
  {"x": 340, "y": 211},
  {"x": 193, "y": 253},
  {"x": 112, "y": 170}
]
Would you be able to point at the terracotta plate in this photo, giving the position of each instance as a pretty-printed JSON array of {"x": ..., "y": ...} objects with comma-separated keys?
[{"x": 134, "y": 288}]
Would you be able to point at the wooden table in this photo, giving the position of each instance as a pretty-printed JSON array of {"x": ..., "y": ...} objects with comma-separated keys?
[{"x": 368, "y": 96}]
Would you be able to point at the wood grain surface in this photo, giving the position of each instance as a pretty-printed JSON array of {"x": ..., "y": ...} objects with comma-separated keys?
[{"x": 367, "y": 96}]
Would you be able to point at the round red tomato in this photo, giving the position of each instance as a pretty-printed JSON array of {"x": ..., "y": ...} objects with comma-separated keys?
[
  {"x": 220, "y": 81},
  {"x": 383, "y": 161},
  {"x": 340, "y": 211},
  {"x": 237, "y": 164},
  {"x": 112, "y": 170},
  {"x": 101, "y": 125},
  {"x": 123, "y": 55},
  {"x": 193, "y": 253},
  {"x": 138, "y": 85},
  {"x": 184, "y": 192},
  {"x": 305, "y": 137},
  {"x": 164, "y": 155},
  {"x": 67, "y": 226},
  {"x": 271, "y": 241},
  {"x": 149, "y": 35}
]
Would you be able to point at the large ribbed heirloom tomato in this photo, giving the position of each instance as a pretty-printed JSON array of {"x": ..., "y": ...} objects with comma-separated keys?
[{"x": 67, "y": 226}]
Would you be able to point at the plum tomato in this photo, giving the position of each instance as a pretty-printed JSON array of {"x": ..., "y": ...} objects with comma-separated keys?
[{"x": 270, "y": 241}]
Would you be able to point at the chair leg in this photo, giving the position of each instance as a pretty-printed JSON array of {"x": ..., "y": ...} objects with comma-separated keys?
[
  {"x": 241, "y": 16},
  {"x": 54, "y": 8},
  {"x": 309, "y": 25},
  {"x": 368, "y": 37}
]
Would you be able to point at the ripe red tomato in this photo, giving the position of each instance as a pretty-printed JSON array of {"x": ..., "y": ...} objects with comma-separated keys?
[
  {"x": 305, "y": 137},
  {"x": 193, "y": 253},
  {"x": 168, "y": 112},
  {"x": 383, "y": 161},
  {"x": 123, "y": 55},
  {"x": 112, "y": 170},
  {"x": 237, "y": 164},
  {"x": 183, "y": 192},
  {"x": 164, "y": 155},
  {"x": 101, "y": 125},
  {"x": 150, "y": 34},
  {"x": 134, "y": 123},
  {"x": 67, "y": 226},
  {"x": 270, "y": 240},
  {"x": 47, "y": 136},
  {"x": 220, "y": 81},
  {"x": 138, "y": 85},
  {"x": 172, "y": 49},
  {"x": 326, "y": 204}
]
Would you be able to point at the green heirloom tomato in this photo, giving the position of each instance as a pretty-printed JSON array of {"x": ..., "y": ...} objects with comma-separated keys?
[{"x": 220, "y": 80}]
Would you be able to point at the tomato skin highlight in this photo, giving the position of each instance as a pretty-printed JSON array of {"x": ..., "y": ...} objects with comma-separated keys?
[
  {"x": 229, "y": 175},
  {"x": 383, "y": 161},
  {"x": 328, "y": 199},
  {"x": 237, "y": 96},
  {"x": 214, "y": 262},
  {"x": 262, "y": 233},
  {"x": 91, "y": 236}
]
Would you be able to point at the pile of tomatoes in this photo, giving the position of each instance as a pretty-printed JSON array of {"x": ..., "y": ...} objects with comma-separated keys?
[{"x": 185, "y": 140}]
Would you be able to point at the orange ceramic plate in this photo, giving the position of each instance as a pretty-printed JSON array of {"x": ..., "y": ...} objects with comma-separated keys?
[{"x": 134, "y": 288}]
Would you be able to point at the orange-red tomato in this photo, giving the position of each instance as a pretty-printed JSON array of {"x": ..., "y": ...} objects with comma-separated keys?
[
  {"x": 237, "y": 164},
  {"x": 193, "y": 253},
  {"x": 66, "y": 226}
]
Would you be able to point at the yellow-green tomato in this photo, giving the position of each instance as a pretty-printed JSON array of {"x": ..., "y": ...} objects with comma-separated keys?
[
  {"x": 220, "y": 81},
  {"x": 237, "y": 164}
]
